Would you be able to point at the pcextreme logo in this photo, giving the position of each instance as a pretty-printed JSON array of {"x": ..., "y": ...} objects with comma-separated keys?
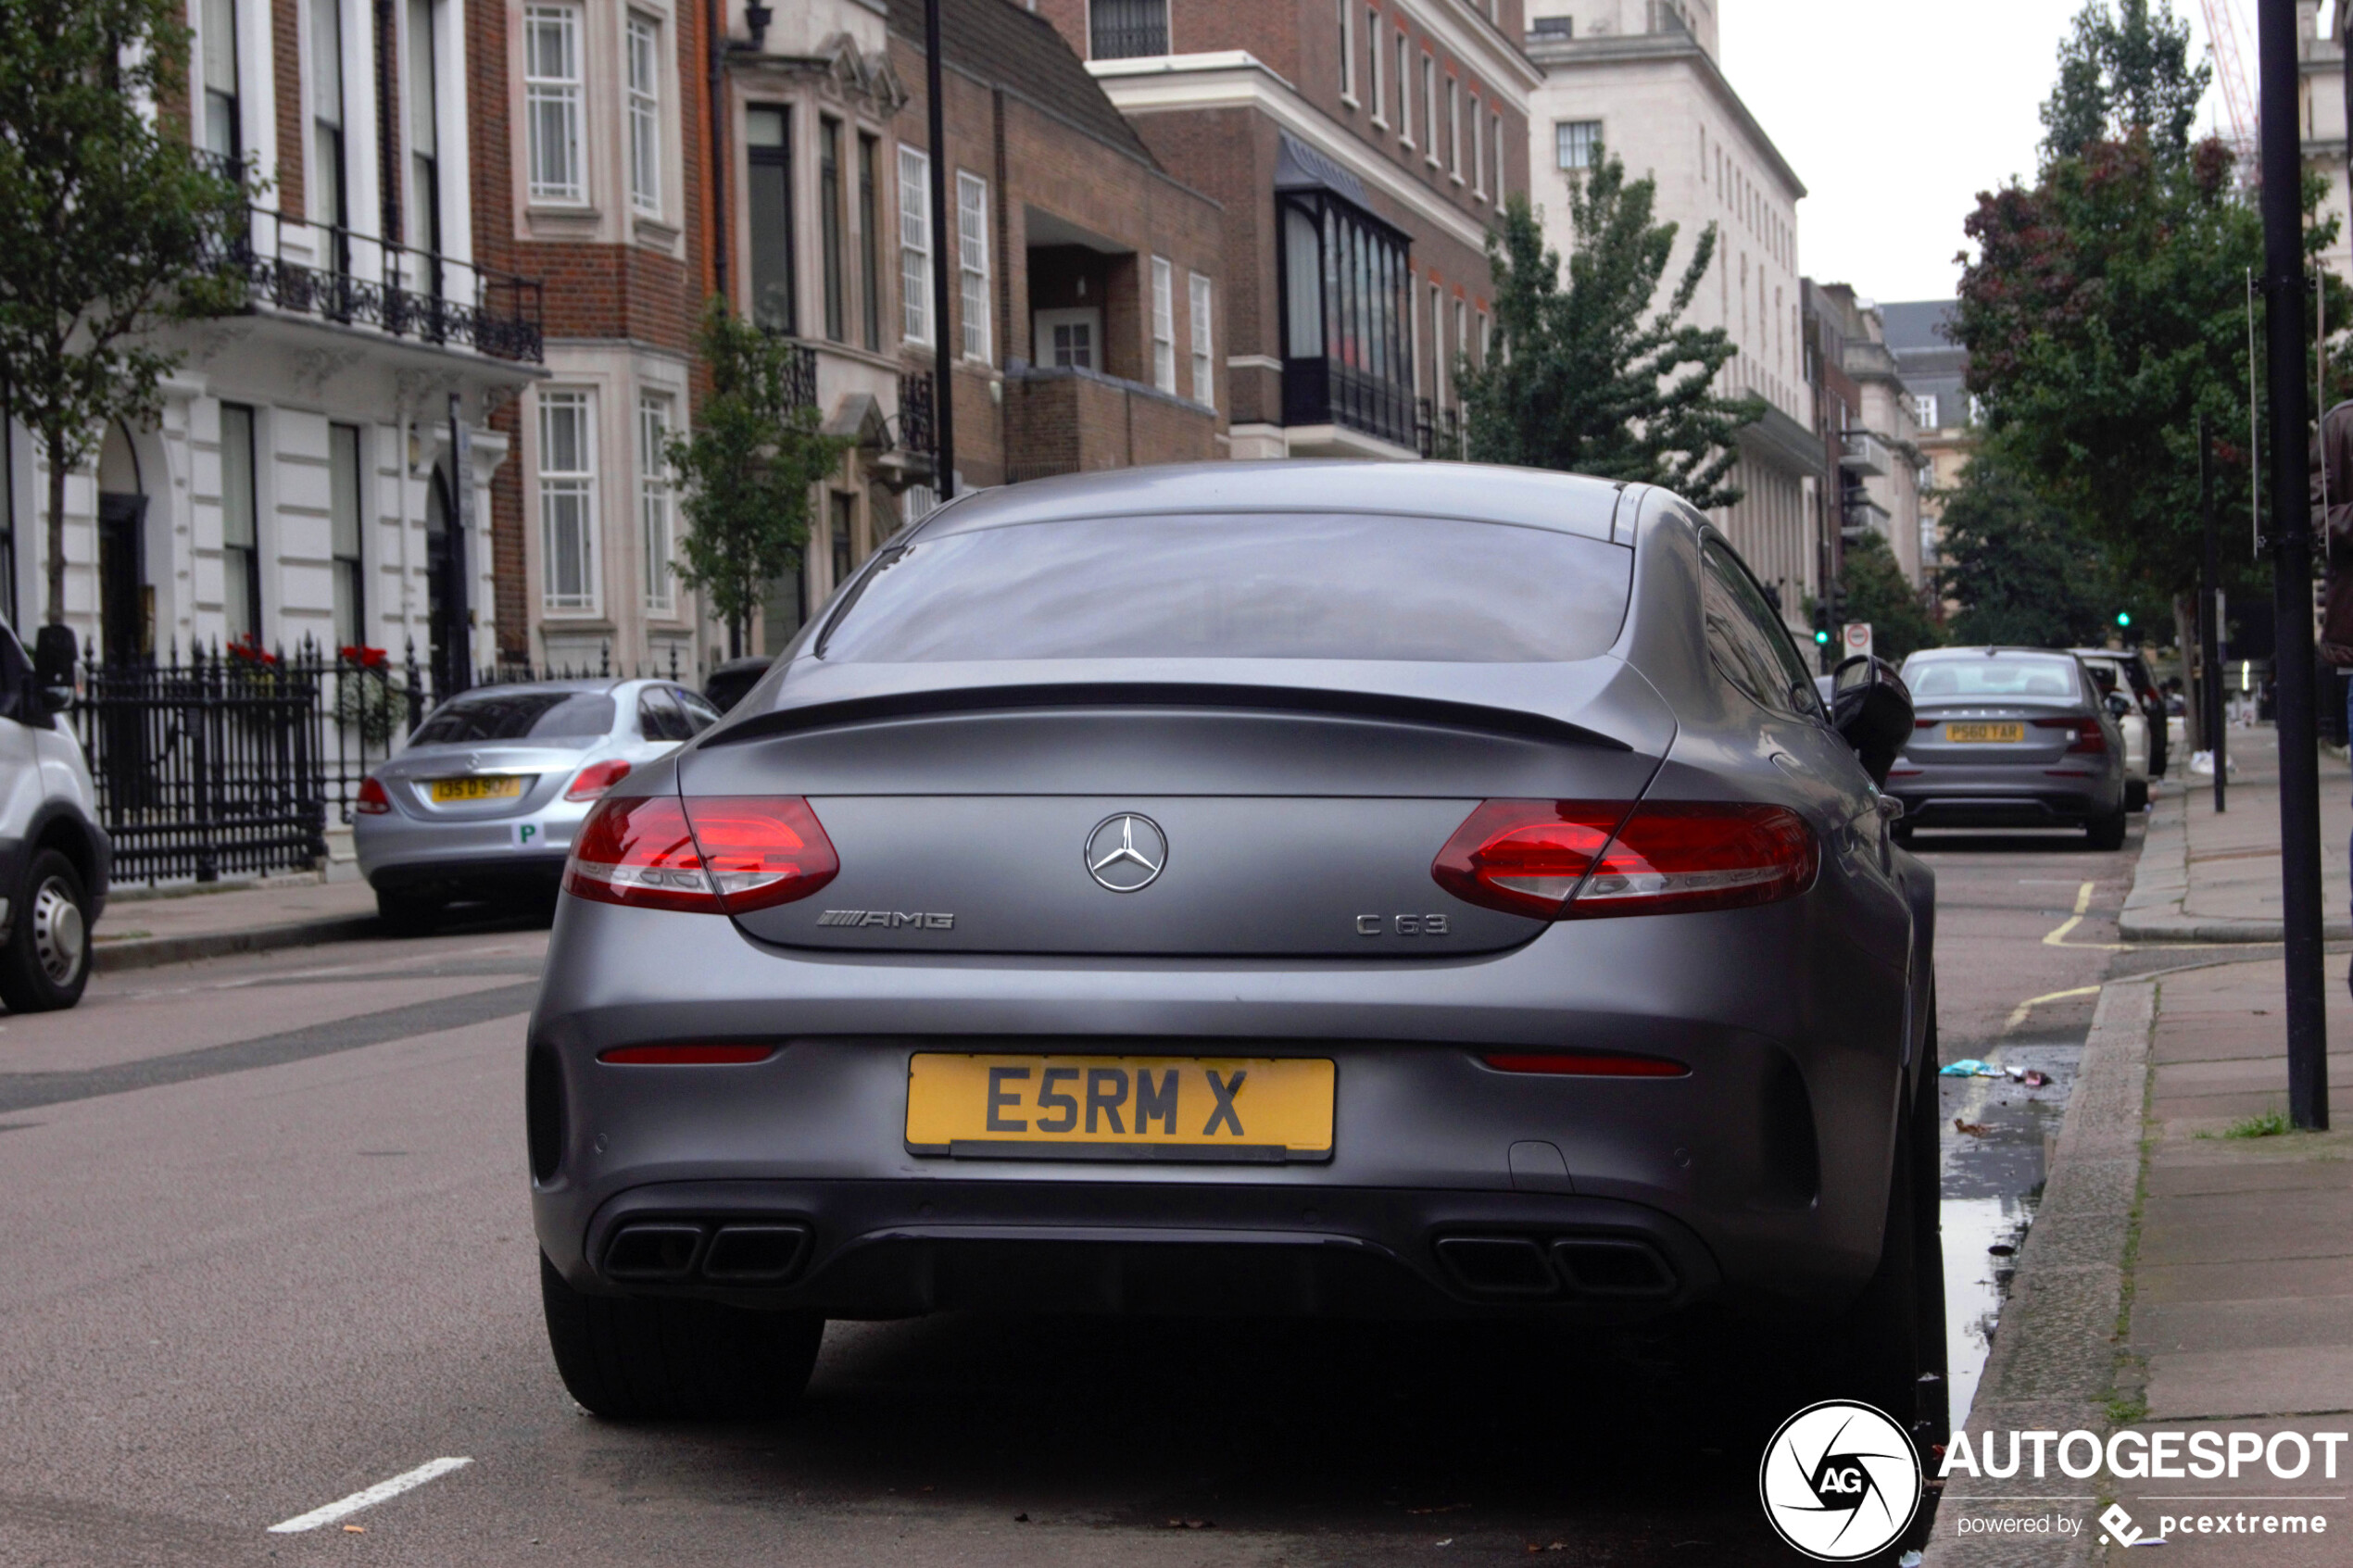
[{"x": 1840, "y": 1481}]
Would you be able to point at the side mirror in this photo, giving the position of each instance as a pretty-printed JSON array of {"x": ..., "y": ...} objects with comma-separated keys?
[{"x": 1872, "y": 708}]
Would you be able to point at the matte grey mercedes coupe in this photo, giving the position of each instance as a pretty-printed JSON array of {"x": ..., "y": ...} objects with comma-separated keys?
[{"x": 1322, "y": 888}]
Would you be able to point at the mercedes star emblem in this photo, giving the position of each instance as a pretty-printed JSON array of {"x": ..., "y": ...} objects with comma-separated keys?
[{"x": 1125, "y": 852}]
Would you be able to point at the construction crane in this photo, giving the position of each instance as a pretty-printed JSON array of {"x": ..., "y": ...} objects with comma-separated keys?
[{"x": 2230, "y": 73}]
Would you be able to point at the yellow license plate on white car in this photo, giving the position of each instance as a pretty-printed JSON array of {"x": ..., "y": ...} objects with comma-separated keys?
[
  {"x": 1981, "y": 735},
  {"x": 1025, "y": 1107},
  {"x": 486, "y": 786}
]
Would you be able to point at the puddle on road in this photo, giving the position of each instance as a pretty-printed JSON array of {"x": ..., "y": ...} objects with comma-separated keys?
[{"x": 1993, "y": 1181}]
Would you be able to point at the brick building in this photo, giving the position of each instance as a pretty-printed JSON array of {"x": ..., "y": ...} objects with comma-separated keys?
[
  {"x": 305, "y": 477},
  {"x": 1086, "y": 311},
  {"x": 1360, "y": 150}
]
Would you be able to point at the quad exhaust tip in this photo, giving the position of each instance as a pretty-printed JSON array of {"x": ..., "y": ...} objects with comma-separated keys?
[
  {"x": 718, "y": 1252},
  {"x": 1587, "y": 1266}
]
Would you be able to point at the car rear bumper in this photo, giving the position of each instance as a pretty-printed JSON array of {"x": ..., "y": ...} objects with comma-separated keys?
[
  {"x": 1761, "y": 1177},
  {"x": 1981, "y": 797},
  {"x": 398, "y": 852},
  {"x": 474, "y": 873}
]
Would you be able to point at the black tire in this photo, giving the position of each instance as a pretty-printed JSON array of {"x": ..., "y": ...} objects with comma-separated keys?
[
  {"x": 627, "y": 1358},
  {"x": 2137, "y": 795},
  {"x": 407, "y": 914},
  {"x": 46, "y": 962},
  {"x": 2106, "y": 833}
]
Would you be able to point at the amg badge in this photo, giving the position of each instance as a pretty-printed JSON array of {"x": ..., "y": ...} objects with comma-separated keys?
[{"x": 894, "y": 919}]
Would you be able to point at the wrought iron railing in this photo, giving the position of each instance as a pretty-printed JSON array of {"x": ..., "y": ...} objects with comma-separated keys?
[
  {"x": 349, "y": 278},
  {"x": 1318, "y": 392},
  {"x": 239, "y": 759},
  {"x": 1437, "y": 433}
]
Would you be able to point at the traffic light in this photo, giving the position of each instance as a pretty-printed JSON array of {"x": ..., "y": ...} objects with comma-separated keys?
[
  {"x": 1821, "y": 625},
  {"x": 2124, "y": 618}
]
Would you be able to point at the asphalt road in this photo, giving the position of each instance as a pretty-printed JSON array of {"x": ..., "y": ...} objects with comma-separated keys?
[{"x": 264, "y": 1242}]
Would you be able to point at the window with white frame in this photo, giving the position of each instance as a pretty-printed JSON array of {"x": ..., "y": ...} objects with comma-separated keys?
[
  {"x": 553, "y": 83},
  {"x": 1404, "y": 88},
  {"x": 1430, "y": 108},
  {"x": 1163, "y": 324},
  {"x": 914, "y": 245},
  {"x": 972, "y": 262},
  {"x": 656, "y": 520},
  {"x": 1500, "y": 179},
  {"x": 1575, "y": 142},
  {"x": 1924, "y": 411},
  {"x": 1204, "y": 380},
  {"x": 567, "y": 501},
  {"x": 1347, "y": 50},
  {"x": 1454, "y": 129},
  {"x": 1478, "y": 153},
  {"x": 1371, "y": 67},
  {"x": 644, "y": 115}
]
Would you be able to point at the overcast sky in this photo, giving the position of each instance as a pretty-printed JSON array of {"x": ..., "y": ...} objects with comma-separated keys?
[{"x": 1895, "y": 113}]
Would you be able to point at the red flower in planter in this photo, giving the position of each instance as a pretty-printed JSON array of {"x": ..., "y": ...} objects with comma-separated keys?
[
  {"x": 365, "y": 658},
  {"x": 248, "y": 647}
]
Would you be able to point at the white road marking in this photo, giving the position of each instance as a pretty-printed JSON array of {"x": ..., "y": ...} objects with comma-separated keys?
[{"x": 344, "y": 1507}]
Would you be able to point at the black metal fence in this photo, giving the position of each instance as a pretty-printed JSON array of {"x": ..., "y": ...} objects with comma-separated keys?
[{"x": 239, "y": 759}]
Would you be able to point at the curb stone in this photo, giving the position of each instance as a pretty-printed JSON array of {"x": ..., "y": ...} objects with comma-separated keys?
[
  {"x": 2054, "y": 1357},
  {"x": 2153, "y": 911},
  {"x": 147, "y": 952}
]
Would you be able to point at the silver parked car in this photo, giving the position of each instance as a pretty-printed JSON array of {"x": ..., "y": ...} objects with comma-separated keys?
[
  {"x": 485, "y": 797},
  {"x": 2010, "y": 737},
  {"x": 1294, "y": 887}
]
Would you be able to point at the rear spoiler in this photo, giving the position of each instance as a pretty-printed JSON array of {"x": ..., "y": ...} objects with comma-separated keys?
[{"x": 1433, "y": 711}]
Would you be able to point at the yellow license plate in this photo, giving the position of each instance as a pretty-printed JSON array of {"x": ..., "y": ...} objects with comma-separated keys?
[
  {"x": 1975, "y": 735},
  {"x": 491, "y": 787},
  {"x": 1256, "y": 1108}
]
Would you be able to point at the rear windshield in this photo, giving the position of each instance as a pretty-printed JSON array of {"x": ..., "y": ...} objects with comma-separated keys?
[
  {"x": 1266, "y": 587},
  {"x": 516, "y": 716},
  {"x": 2011, "y": 677}
]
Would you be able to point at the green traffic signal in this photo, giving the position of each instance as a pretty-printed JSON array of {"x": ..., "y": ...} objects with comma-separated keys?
[
  {"x": 2124, "y": 618},
  {"x": 1821, "y": 639}
]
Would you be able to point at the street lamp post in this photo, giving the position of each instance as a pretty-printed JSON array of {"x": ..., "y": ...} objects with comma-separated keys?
[
  {"x": 943, "y": 359},
  {"x": 2284, "y": 285}
]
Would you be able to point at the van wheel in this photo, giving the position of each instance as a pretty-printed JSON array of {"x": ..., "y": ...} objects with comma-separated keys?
[
  {"x": 2106, "y": 833},
  {"x": 626, "y": 1358},
  {"x": 46, "y": 962}
]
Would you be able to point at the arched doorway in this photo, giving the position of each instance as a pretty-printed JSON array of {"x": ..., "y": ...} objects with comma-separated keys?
[
  {"x": 126, "y": 596},
  {"x": 449, "y": 643}
]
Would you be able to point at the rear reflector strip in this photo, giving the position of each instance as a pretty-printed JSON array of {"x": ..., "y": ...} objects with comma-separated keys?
[
  {"x": 685, "y": 1056},
  {"x": 1578, "y": 1064}
]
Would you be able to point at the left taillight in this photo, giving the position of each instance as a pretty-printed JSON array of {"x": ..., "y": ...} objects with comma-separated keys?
[
  {"x": 709, "y": 855},
  {"x": 1585, "y": 859},
  {"x": 372, "y": 801},
  {"x": 592, "y": 782}
]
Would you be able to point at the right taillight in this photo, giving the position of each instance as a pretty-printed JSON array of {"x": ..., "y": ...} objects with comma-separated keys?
[
  {"x": 1570, "y": 859},
  {"x": 2089, "y": 736},
  {"x": 372, "y": 801},
  {"x": 709, "y": 855}
]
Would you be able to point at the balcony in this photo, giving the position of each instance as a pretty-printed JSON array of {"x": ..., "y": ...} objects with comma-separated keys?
[
  {"x": 1069, "y": 420},
  {"x": 1859, "y": 514},
  {"x": 1327, "y": 392},
  {"x": 1861, "y": 452},
  {"x": 336, "y": 275}
]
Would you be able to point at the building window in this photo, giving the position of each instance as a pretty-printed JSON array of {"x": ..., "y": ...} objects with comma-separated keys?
[
  {"x": 870, "y": 239},
  {"x": 224, "y": 133},
  {"x": 768, "y": 173},
  {"x": 1462, "y": 335},
  {"x": 1347, "y": 51},
  {"x": 1454, "y": 129},
  {"x": 1371, "y": 67},
  {"x": 344, "y": 532},
  {"x": 567, "y": 502},
  {"x": 654, "y": 521},
  {"x": 972, "y": 262},
  {"x": 1575, "y": 142},
  {"x": 1554, "y": 26},
  {"x": 843, "y": 511},
  {"x": 1478, "y": 153},
  {"x": 1440, "y": 380},
  {"x": 829, "y": 228},
  {"x": 1120, "y": 30},
  {"x": 914, "y": 245},
  {"x": 1500, "y": 178},
  {"x": 424, "y": 134},
  {"x": 1163, "y": 324},
  {"x": 552, "y": 87},
  {"x": 1430, "y": 107},
  {"x": 1485, "y": 339},
  {"x": 1924, "y": 411},
  {"x": 1345, "y": 299},
  {"x": 1404, "y": 88},
  {"x": 644, "y": 115},
  {"x": 329, "y": 201},
  {"x": 1204, "y": 378},
  {"x": 240, "y": 525}
]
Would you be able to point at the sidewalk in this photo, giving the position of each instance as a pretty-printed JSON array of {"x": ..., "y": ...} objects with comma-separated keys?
[
  {"x": 2205, "y": 878},
  {"x": 141, "y": 929}
]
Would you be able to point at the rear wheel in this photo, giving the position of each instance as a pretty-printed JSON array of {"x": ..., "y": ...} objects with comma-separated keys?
[
  {"x": 630, "y": 1357},
  {"x": 2106, "y": 833},
  {"x": 46, "y": 962},
  {"x": 407, "y": 914}
]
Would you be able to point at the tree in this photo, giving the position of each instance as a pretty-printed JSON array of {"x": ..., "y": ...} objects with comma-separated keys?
[
  {"x": 2122, "y": 73},
  {"x": 1589, "y": 377},
  {"x": 748, "y": 468},
  {"x": 2015, "y": 565},
  {"x": 111, "y": 225},
  {"x": 1878, "y": 593}
]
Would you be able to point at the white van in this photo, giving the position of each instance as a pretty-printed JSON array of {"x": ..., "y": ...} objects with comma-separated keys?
[{"x": 54, "y": 856}]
